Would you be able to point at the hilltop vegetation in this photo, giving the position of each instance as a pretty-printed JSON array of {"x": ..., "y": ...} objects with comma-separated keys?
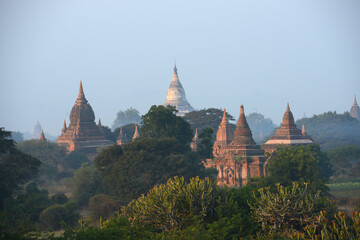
[{"x": 331, "y": 130}]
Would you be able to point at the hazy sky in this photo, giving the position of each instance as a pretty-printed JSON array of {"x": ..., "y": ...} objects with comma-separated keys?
[{"x": 262, "y": 54}]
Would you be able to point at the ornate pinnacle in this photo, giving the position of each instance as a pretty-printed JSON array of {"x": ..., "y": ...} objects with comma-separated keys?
[{"x": 42, "y": 136}]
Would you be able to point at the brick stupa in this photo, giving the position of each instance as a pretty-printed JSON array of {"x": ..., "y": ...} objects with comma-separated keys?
[
  {"x": 83, "y": 134},
  {"x": 288, "y": 134},
  {"x": 240, "y": 159},
  {"x": 176, "y": 96}
]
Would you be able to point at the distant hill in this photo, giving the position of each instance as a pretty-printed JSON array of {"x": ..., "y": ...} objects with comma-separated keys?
[{"x": 331, "y": 130}]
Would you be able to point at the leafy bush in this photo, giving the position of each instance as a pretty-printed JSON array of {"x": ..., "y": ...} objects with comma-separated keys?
[{"x": 53, "y": 216}]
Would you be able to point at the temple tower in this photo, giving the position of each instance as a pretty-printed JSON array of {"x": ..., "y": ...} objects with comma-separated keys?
[
  {"x": 82, "y": 134},
  {"x": 355, "y": 110},
  {"x": 224, "y": 135},
  {"x": 241, "y": 159},
  {"x": 288, "y": 134},
  {"x": 176, "y": 96}
]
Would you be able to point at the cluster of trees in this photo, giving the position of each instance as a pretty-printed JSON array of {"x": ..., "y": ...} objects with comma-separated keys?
[
  {"x": 331, "y": 130},
  {"x": 345, "y": 161},
  {"x": 129, "y": 116},
  {"x": 22, "y": 204}
]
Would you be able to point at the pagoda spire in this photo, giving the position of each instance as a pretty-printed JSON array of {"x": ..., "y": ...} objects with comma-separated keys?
[
  {"x": 99, "y": 124},
  {"x": 81, "y": 96},
  {"x": 355, "y": 103},
  {"x": 136, "y": 133},
  {"x": 42, "y": 136},
  {"x": 64, "y": 126},
  {"x": 288, "y": 118},
  {"x": 224, "y": 118},
  {"x": 242, "y": 134},
  {"x": 303, "y": 130}
]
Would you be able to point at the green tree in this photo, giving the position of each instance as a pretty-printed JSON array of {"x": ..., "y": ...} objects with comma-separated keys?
[
  {"x": 161, "y": 122},
  {"x": 344, "y": 159},
  {"x": 302, "y": 163},
  {"x": 331, "y": 130},
  {"x": 210, "y": 117},
  {"x": 260, "y": 126},
  {"x": 287, "y": 209},
  {"x": 131, "y": 170},
  {"x": 16, "y": 167},
  {"x": 168, "y": 206},
  {"x": 24, "y": 210},
  {"x": 130, "y": 115},
  {"x": 56, "y": 162},
  {"x": 86, "y": 183},
  {"x": 205, "y": 147},
  {"x": 53, "y": 216},
  {"x": 102, "y": 206}
]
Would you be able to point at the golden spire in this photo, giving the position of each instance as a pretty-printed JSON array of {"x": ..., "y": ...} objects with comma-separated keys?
[{"x": 136, "y": 133}]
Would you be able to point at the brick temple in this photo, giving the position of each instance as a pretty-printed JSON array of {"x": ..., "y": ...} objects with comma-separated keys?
[
  {"x": 237, "y": 157},
  {"x": 83, "y": 134},
  {"x": 288, "y": 134}
]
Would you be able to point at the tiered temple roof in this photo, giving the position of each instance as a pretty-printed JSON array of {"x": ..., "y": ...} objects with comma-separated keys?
[
  {"x": 176, "y": 96},
  {"x": 288, "y": 134},
  {"x": 82, "y": 134},
  {"x": 238, "y": 159}
]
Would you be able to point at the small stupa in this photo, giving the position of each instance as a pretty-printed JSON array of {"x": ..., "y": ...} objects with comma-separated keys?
[{"x": 121, "y": 140}]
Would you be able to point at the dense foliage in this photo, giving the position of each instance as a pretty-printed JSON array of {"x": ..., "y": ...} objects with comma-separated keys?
[
  {"x": 260, "y": 126},
  {"x": 331, "y": 130},
  {"x": 301, "y": 163},
  {"x": 161, "y": 122},
  {"x": 16, "y": 167},
  {"x": 128, "y": 130},
  {"x": 345, "y": 161},
  {"x": 129, "y": 116},
  {"x": 133, "y": 169},
  {"x": 56, "y": 162},
  {"x": 210, "y": 117}
]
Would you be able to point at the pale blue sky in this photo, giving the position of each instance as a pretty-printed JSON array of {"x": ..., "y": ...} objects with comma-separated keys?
[{"x": 262, "y": 54}]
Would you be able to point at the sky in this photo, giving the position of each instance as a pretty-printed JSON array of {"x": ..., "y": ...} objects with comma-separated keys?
[{"x": 261, "y": 54}]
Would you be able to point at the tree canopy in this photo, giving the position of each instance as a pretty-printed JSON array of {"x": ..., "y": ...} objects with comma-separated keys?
[
  {"x": 260, "y": 126},
  {"x": 134, "y": 168},
  {"x": 210, "y": 117},
  {"x": 161, "y": 122},
  {"x": 16, "y": 167},
  {"x": 130, "y": 115},
  {"x": 301, "y": 163},
  {"x": 331, "y": 130}
]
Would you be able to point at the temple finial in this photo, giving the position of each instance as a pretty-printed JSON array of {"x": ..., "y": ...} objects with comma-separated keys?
[
  {"x": 288, "y": 107},
  {"x": 355, "y": 103},
  {"x": 81, "y": 92},
  {"x": 136, "y": 133},
  {"x": 303, "y": 130},
  {"x": 99, "y": 124},
  {"x": 224, "y": 118},
  {"x": 175, "y": 69},
  {"x": 64, "y": 126}
]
